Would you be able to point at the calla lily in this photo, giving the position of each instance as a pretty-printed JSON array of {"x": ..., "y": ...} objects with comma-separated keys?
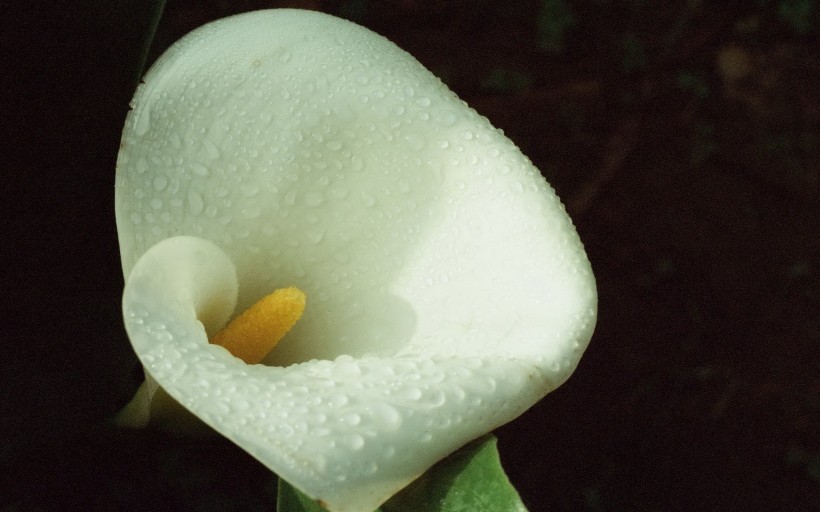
[{"x": 447, "y": 290}]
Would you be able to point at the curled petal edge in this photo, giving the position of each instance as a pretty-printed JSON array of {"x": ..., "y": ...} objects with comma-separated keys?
[{"x": 349, "y": 432}]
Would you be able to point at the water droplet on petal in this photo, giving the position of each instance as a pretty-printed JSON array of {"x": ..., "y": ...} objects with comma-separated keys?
[
  {"x": 388, "y": 415},
  {"x": 195, "y": 202},
  {"x": 211, "y": 151},
  {"x": 370, "y": 468},
  {"x": 314, "y": 199},
  {"x": 355, "y": 442},
  {"x": 353, "y": 419},
  {"x": 368, "y": 200},
  {"x": 143, "y": 122},
  {"x": 315, "y": 237},
  {"x": 199, "y": 169},
  {"x": 389, "y": 452},
  {"x": 160, "y": 182},
  {"x": 249, "y": 189},
  {"x": 413, "y": 393},
  {"x": 142, "y": 166},
  {"x": 446, "y": 117}
]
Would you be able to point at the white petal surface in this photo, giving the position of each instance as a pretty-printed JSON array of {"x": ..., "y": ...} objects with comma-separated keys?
[{"x": 447, "y": 289}]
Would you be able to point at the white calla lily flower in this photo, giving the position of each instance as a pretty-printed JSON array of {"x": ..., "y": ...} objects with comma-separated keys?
[{"x": 447, "y": 290}]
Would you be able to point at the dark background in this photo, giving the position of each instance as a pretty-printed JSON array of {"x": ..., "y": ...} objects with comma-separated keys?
[{"x": 684, "y": 137}]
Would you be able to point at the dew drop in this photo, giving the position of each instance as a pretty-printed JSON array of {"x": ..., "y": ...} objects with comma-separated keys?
[
  {"x": 143, "y": 122},
  {"x": 368, "y": 200},
  {"x": 195, "y": 202},
  {"x": 446, "y": 117},
  {"x": 339, "y": 193},
  {"x": 164, "y": 336},
  {"x": 315, "y": 237},
  {"x": 351, "y": 418},
  {"x": 320, "y": 432},
  {"x": 211, "y": 151},
  {"x": 160, "y": 182},
  {"x": 142, "y": 166},
  {"x": 251, "y": 212},
  {"x": 346, "y": 370},
  {"x": 340, "y": 400},
  {"x": 415, "y": 142},
  {"x": 314, "y": 199},
  {"x": 388, "y": 415},
  {"x": 413, "y": 393},
  {"x": 249, "y": 189},
  {"x": 437, "y": 399},
  {"x": 370, "y": 468},
  {"x": 355, "y": 442},
  {"x": 199, "y": 169},
  {"x": 176, "y": 141}
]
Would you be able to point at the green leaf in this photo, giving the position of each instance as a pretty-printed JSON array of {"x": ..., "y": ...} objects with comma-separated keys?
[
  {"x": 470, "y": 479},
  {"x": 555, "y": 20},
  {"x": 291, "y": 500}
]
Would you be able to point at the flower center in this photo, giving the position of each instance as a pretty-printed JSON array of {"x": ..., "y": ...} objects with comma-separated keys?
[{"x": 254, "y": 333}]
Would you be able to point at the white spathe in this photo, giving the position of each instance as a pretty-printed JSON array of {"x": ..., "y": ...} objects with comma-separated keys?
[{"x": 447, "y": 288}]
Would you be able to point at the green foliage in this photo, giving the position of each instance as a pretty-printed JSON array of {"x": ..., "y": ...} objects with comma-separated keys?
[
  {"x": 291, "y": 500},
  {"x": 633, "y": 56},
  {"x": 694, "y": 83},
  {"x": 798, "y": 14},
  {"x": 470, "y": 479},
  {"x": 810, "y": 462},
  {"x": 506, "y": 81},
  {"x": 554, "y": 21},
  {"x": 354, "y": 10},
  {"x": 703, "y": 143}
]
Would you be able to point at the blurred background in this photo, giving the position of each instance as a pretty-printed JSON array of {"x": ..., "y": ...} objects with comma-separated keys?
[{"x": 684, "y": 138}]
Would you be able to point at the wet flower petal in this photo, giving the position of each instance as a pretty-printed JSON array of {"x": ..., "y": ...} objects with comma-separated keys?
[{"x": 447, "y": 288}]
